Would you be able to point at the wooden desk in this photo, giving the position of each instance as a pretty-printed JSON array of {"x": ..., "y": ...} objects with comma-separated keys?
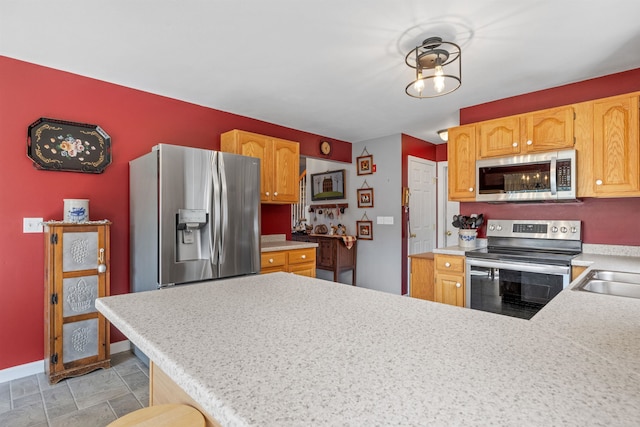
[{"x": 332, "y": 254}]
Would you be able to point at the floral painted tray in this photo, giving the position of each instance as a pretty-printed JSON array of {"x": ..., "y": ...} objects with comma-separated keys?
[{"x": 67, "y": 146}]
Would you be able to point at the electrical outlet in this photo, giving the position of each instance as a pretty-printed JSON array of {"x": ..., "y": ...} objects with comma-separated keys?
[{"x": 32, "y": 225}]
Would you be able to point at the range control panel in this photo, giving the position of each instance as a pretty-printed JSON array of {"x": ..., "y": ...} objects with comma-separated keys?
[{"x": 538, "y": 229}]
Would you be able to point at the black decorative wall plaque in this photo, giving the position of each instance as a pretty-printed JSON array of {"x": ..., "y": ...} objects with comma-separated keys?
[{"x": 68, "y": 146}]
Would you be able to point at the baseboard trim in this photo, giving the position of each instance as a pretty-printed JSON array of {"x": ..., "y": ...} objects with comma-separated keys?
[
  {"x": 37, "y": 367},
  {"x": 120, "y": 346}
]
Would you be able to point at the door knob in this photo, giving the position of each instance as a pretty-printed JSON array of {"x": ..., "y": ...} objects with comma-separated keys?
[
  {"x": 448, "y": 233},
  {"x": 411, "y": 236}
]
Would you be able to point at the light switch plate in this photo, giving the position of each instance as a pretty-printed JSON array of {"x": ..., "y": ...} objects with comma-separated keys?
[
  {"x": 32, "y": 225},
  {"x": 388, "y": 220}
]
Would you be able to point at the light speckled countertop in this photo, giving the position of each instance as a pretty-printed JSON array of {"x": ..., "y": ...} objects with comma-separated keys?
[
  {"x": 286, "y": 245},
  {"x": 286, "y": 350},
  {"x": 460, "y": 250},
  {"x": 278, "y": 242}
]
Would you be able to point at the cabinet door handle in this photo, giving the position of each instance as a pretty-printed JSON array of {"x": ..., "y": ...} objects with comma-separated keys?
[
  {"x": 470, "y": 189},
  {"x": 102, "y": 267},
  {"x": 447, "y": 264},
  {"x": 275, "y": 194},
  {"x": 270, "y": 260},
  {"x": 267, "y": 193},
  {"x": 515, "y": 144},
  {"x": 598, "y": 182},
  {"x": 529, "y": 142},
  {"x": 303, "y": 257},
  {"x": 458, "y": 285}
]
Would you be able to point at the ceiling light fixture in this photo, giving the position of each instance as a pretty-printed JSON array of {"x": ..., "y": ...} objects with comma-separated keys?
[
  {"x": 444, "y": 134},
  {"x": 438, "y": 68}
]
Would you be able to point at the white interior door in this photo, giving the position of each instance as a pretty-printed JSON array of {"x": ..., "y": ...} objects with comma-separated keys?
[
  {"x": 447, "y": 233},
  {"x": 422, "y": 205}
]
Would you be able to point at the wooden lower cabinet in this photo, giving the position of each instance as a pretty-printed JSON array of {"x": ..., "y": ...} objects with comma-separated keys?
[
  {"x": 422, "y": 278},
  {"x": 297, "y": 261},
  {"x": 334, "y": 256},
  {"x": 77, "y": 270},
  {"x": 449, "y": 279},
  {"x": 577, "y": 270}
]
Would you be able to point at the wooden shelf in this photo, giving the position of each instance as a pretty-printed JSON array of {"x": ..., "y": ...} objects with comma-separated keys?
[{"x": 341, "y": 206}]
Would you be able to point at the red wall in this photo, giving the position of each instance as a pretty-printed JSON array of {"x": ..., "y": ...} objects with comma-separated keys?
[
  {"x": 136, "y": 121},
  {"x": 425, "y": 150},
  {"x": 604, "y": 221}
]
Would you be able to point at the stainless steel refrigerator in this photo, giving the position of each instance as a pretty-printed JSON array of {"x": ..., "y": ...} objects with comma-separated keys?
[{"x": 194, "y": 216}]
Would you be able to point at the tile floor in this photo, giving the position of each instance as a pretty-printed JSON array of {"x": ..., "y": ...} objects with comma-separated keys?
[{"x": 94, "y": 399}]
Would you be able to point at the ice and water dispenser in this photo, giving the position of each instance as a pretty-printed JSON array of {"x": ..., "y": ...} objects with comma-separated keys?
[{"x": 190, "y": 234}]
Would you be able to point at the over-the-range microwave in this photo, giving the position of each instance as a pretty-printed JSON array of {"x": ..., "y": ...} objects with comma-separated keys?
[{"x": 532, "y": 177}]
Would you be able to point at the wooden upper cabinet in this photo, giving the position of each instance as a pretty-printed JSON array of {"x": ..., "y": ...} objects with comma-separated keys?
[
  {"x": 500, "y": 137},
  {"x": 616, "y": 159},
  {"x": 461, "y": 156},
  {"x": 548, "y": 130},
  {"x": 540, "y": 131},
  {"x": 279, "y": 163},
  {"x": 253, "y": 145},
  {"x": 286, "y": 173}
]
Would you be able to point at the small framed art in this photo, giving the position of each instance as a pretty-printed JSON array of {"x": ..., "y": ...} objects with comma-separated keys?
[
  {"x": 365, "y": 230},
  {"x": 365, "y": 165},
  {"x": 365, "y": 197}
]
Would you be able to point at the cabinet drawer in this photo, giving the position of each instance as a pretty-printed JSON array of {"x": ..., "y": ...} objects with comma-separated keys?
[
  {"x": 308, "y": 269},
  {"x": 273, "y": 259},
  {"x": 302, "y": 255},
  {"x": 449, "y": 263}
]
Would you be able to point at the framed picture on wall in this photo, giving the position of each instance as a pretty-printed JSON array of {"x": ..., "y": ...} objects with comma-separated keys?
[
  {"x": 365, "y": 165},
  {"x": 365, "y": 230},
  {"x": 328, "y": 185},
  {"x": 365, "y": 197}
]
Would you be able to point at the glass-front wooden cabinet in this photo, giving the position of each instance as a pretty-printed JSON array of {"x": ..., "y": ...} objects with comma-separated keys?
[{"x": 76, "y": 273}]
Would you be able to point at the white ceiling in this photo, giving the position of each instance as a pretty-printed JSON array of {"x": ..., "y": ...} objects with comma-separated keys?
[{"x": 330, "y": 67}]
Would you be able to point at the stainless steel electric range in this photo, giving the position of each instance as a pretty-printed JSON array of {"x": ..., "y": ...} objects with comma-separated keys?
[{"x": 525, "y": 264}]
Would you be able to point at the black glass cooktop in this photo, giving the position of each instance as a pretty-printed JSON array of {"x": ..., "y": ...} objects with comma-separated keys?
[{"x": 522, "y": 255}]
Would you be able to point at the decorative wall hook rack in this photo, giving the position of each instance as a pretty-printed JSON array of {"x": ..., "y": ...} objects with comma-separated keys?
[{"x": 341, "y": 206}]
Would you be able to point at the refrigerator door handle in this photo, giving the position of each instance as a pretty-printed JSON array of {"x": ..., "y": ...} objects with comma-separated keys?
[
  {"x": 224, "y": 230},
  {"x": 224, "y": 216},
  {"x": 214, "y": 221}
]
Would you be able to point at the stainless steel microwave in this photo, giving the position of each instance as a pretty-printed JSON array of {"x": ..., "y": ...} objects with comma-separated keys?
[{"x": 532, "y": 177}]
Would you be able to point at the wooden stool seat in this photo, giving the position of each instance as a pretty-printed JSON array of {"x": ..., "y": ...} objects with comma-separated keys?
[{"x": 171, "y": 415}]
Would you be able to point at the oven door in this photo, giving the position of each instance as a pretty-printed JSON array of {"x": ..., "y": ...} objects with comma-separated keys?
[{"x": 517, "y": 289}]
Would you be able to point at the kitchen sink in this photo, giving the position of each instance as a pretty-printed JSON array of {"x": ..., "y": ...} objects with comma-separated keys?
[{"x": 611, "y": 283}]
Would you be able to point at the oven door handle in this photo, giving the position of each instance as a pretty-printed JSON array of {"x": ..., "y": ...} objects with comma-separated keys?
[{"x": 521, "y": 266}]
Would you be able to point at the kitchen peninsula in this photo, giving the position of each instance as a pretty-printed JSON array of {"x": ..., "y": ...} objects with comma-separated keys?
[{"x": 281, "y": 349}]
